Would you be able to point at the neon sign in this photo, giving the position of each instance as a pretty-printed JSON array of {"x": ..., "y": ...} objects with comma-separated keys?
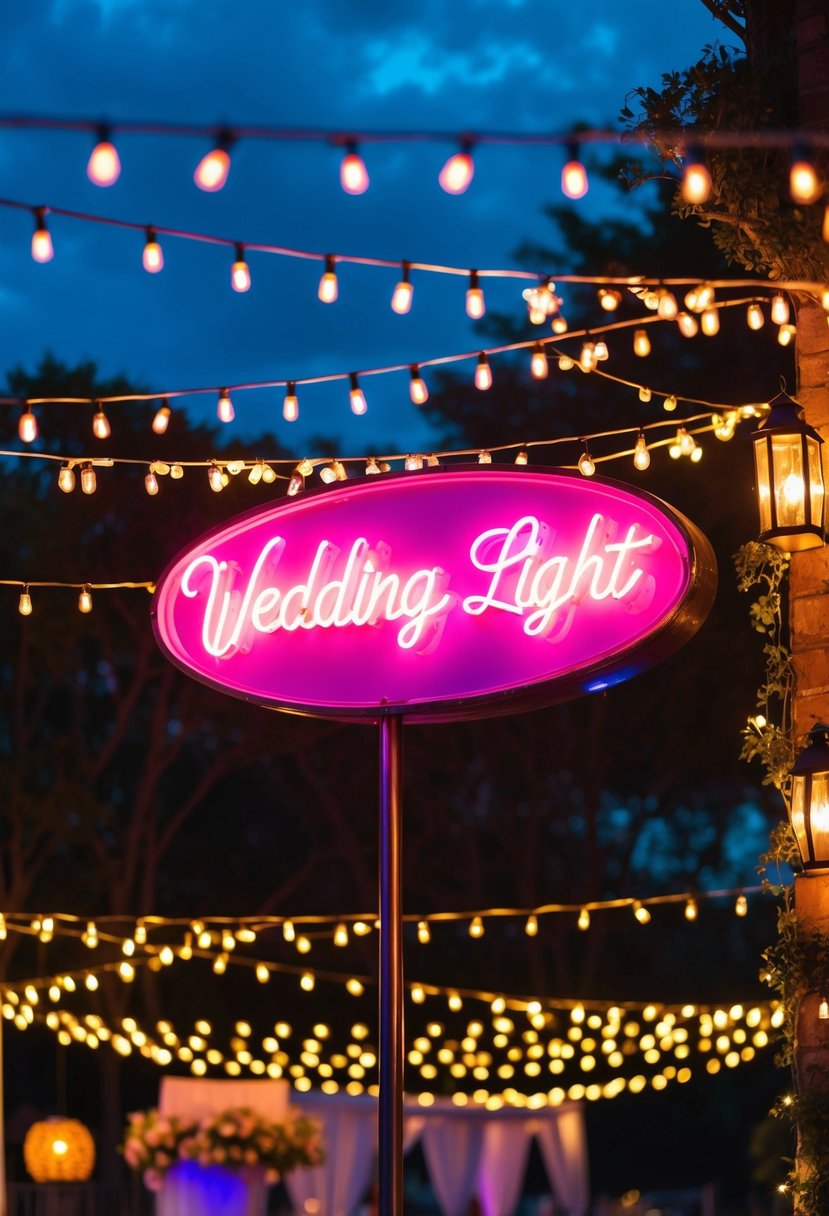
[{"x": 441, "y": 594}]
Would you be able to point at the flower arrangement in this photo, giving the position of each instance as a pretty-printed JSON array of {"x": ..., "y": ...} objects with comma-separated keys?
[{"x": 237, "y": 1139}]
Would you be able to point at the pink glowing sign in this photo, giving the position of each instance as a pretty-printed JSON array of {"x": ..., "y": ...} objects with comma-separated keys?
[{"x": 442, "y": 594}]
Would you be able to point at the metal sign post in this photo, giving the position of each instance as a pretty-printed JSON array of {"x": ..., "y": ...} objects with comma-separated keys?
[{"x": 390, "y": 1108}]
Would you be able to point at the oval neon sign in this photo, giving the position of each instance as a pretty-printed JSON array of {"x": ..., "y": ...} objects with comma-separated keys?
[{"x": 448, "y": 593}]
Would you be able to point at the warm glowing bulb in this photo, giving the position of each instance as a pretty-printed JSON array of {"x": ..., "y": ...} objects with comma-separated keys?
[
  {"x": 641, "y": 343},
  {"x": 741, "y": 906},
  {"x": 667, "y": 307},
  {"x": 356, "y": 397},
  {"x": 100, "y": 425},
  {"x": 152, "y": 257},
  {"x": 587, "y": 466},
  {"x": 641, "y": 912},
  {"x": 754, "y": 316},
  {"x": 290, "y": 405},
  {"x": 574, "y": 179},
  {"x": 327, "y": 290},
  {"x": 823, "y": 1009},
  {"x": 215, "y": 479},
  {"x": 88, "y": 479},
  {"x": 475, "y": 303},
  {"x": 691, "y": 910},
  {"x": 27, "y": 426},
  {"x": 476, "y": 927},
  {"x": 538, "y": 362},
  {"x": 85, "y": 600},
  {"x": 24, "y": 604},
  {"x": 522, "y": 457},
  {"x": 696, "y": 178},
  {"x": 587, "y": 356},
  {"x": 42, "y": 248},
  {"x": 688, "y": 325},
  {"x": 240, "y": 272},
  {"x": 600, "y": 351},
  {"x": 531, "y": 925},
  {"x": 710, "y": 322},
  {"x": 645, "y": 393},
  {"x": 162, "y": 418},
  {"x": 151, "y": 483},
  {"x": 456, "y": 175},
  {"x": 424, "y": 934},
  {"x": 401, "y": 300},
  {"x": 212, "y": 170},
  {"x": 609, "y": 299},
  {"x": 641, "y": 455},
  {"x": 224, "y": 409},
  {"x": 66, "y": 478},
  {"x": 584, "y": 919},
  {"x": 104, "y": 165},
  {"x": 670, "y": 403},
  {"x": 418, "y": 391},
  {"x": 565, "y": 363},
  {"x": 804, "y": 184},
  {"x": 785, "y": 334},
  {"x": 353, "y": 173},
  {"x": 483, "y": 373},
  {"x": 780, "y": 310}
]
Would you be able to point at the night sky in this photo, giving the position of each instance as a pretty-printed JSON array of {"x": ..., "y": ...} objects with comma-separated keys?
[{"x": 472, "y": 64}]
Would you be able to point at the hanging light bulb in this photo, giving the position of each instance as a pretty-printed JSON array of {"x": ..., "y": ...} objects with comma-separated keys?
[
  {"x": 290, "y": 404},
  {"x": 587, "y": 356},
  {"x": 691, "y": 909},
  {"x": 609, "y": 298},
  {"x": 641, "y": 343},
  {"x": 584, "y": 919},
  {"x": 573, "y": 175},
  {"x": 710, "y": 322},
  {"x": 641, "y": 912},
  {"x": 104, "y": 165},
  {"x": 484, "y": 457},
  {"x": 670, "y": 403},
  {"x": 780, "y": 310},
  {"x": 24, "y": 604},
  {"x": 418, "y": 391},
  {"x": 356, "y": 396},
  {"x": 641, "y": 455},
  {"x": 741, "y": 906},
  {"x": 559, "y": 325},
  {"x": 354, "y": 177},
  {"x": 295, "y": 485},
  {"x": 89, "y": 481},
  {"x": 475, "y": 303},
  {"x": 600, "y": 352},
  {"x": 565, "y": 363},
  {"x": 215, "y": 479},
  {"x": 645, "y": 393},
  {"x": 85, "y": 599},
  {"x": 522, "y": 457},
  {"x": 327, "y": 290},
  {"x": 100, "y": 424},
  {"x": 240, "y": 271},
  {"x": 483, "y": 373},
  {"x": 785, "y": 334},
  {"x": 476, "y": 927},
  {"x": 754, "y": 317},
  {"x": 538, "y": 363},
  {"x": 162, "y": 417},
  {"x": 424, "y": 934},
  {"x": 696, "y": 177},
  {"x": 212, "y": 170},
  {"x": 153, "y": 257},
  {"x": 667, "y": 307},
  {"x": 804, "y": 183},
  {"x": 587, "y": 466},
  {"x": 42, "y": 248},
  {"x": 401, "y": 300},
  {"x": 531, "y": 925},
  {"x": 224, "y": 409},
  {"x": 27, "y": 425},
  {"x": 456, "y": 175},
  {"x": 688, "y": 325},
  {"x": 151, "y": 482},
  {"x": 413, "y": 462},
  {"x": 66, "y": 478}
]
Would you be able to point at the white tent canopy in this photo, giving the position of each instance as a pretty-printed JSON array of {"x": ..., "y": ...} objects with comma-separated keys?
[{"x": 469, "y": 1151}]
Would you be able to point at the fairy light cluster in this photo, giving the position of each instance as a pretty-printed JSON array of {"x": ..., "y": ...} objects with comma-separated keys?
[
  {"x": 506, "y": 1051},
  {"x": 456, "y": 175}
]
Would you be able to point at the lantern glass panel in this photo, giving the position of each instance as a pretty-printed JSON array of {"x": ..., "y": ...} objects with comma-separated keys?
[
  {"x": 800, "y": 787},
  {"x": 815, "y": 481},
  {"x": 788, "y": 480},
  {"x": 820, "y": 816},
  {"x": 761, "y": 464}
]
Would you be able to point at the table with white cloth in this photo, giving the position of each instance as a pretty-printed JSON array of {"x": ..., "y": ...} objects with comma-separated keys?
[{"x": 191, "y": 1189}]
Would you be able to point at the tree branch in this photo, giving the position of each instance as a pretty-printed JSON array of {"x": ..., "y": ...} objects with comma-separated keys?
[{"x": 722, "y": 12}]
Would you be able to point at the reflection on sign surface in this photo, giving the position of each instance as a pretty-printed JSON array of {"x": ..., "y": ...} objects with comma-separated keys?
[{"x": 442, "y": 594}]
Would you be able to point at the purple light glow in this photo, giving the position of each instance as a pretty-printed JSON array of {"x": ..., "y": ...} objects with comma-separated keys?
[{"x": 442, "y": 594}]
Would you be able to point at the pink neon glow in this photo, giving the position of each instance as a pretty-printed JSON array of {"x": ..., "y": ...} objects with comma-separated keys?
[{"x": 361, "y": 596}]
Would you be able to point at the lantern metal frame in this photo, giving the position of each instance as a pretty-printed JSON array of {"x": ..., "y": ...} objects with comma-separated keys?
[
  {"x": 785, "y": 422},
  {"x": 811, "y": 766}
]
